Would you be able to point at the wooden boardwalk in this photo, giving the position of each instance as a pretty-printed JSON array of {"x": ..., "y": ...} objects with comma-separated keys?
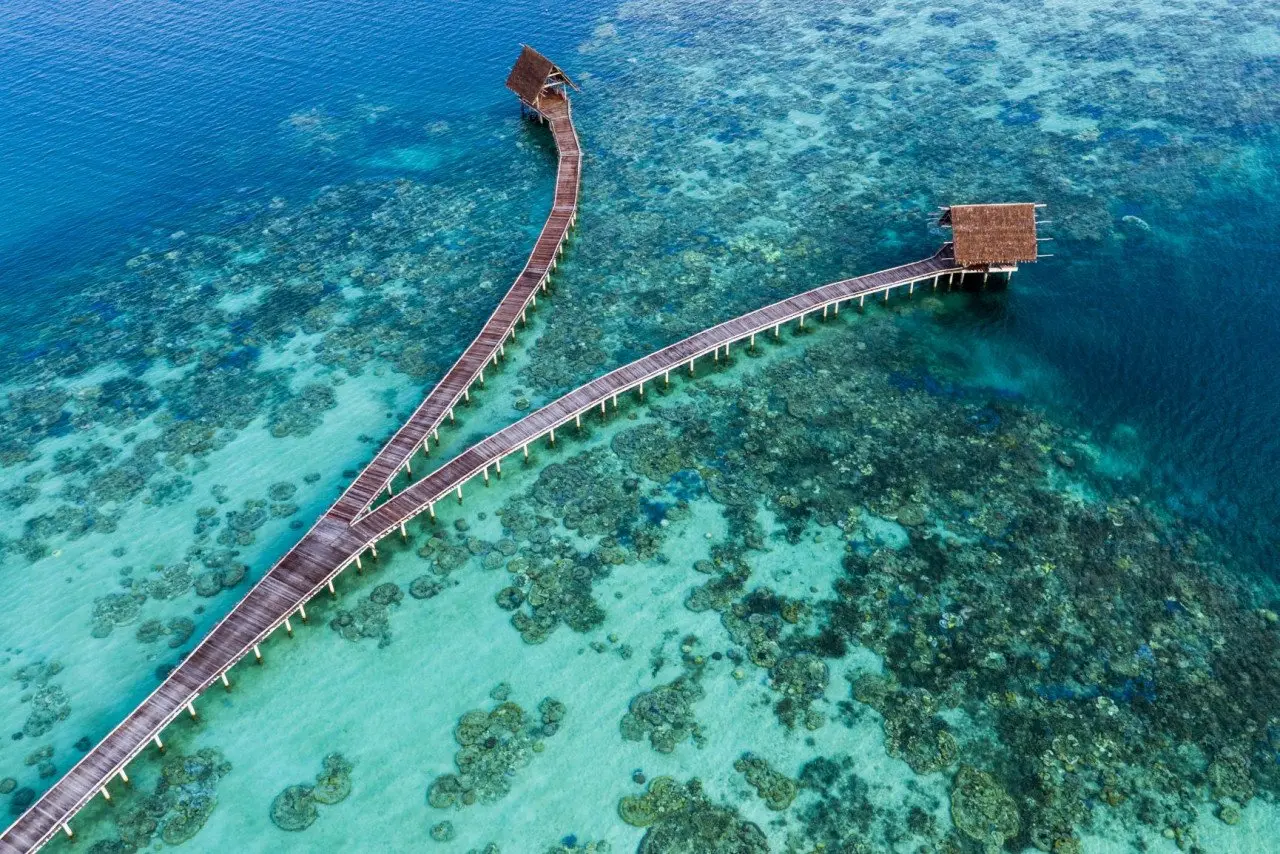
[
  {"x": 600, "y": 392},
  {"x": 342, "y": 535},
  {"x": 488, "y": 346},
  {"x": 330, "y": 546}
]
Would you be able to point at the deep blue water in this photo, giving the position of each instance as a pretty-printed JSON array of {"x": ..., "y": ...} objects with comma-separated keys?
[{"x": 120, "y": 115}]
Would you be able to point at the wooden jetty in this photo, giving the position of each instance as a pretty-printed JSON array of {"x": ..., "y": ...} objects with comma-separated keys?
[
  {"x": 342, "y": 536},
  {"x": 542, "y": 89}
]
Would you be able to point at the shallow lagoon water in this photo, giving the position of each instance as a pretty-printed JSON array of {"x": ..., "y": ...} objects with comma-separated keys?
[{"x": 736, "y": 155}]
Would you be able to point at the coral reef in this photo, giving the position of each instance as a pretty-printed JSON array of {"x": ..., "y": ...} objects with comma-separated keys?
[
  {"x": 371, "y": 617},
  {"x": 982, "y": 810},
  {"x": 665, "y": 715},
  {"x": 680, "y": 819},
  {"x": 182, "y": 801},
  {"x": 776, "y": 789},
  {"x": 494, "y": 745},
  {"x": 295, "y": 807}
]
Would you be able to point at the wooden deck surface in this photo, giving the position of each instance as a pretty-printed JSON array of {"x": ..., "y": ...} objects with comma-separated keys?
[{"x": 350, "y": 527}]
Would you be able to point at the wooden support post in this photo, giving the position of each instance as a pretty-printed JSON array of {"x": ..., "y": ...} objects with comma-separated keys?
[
  {"x": 534, "y": 301},
  {"x": 257, "y": 653},
  {"x": 333, "y": 594},
  {"x": 886, "y": 294},
  {"x": 431, "y": 508},
  {"x": 450, "y": 420},
  {"x": 615, "y": 401},
  {"x": 715, "y": 354},
  {"x": 359, "y": 566},
  {"x": 124, "y": 778},
  {"x": 436, "y": 433},
  {"x": 389, "y": 492},
  {"x": 459, "y": 493},
  {"x": 753, "y": 341},
  {"x": 482, "y": 377},
  {"x": 911, "y": 290},
  {"x": 404, "y": 535},
  {"x": 524, "y": 318},
  {"x": 642, "y": 391},
  {"x": 935, "y": 283},
  {"x": 726, "y": 352},
  {"x": 984, "y": 277},
  {"x": 777, "y": 331},
  {"x": 526, "y": 450},
  {"x": 466, "y": 395},
  {"x": 106, "y": 793},
  {"x": 191, "y": 710},
  {"x": 666, "y": 378},
  {"x": 497, "y": 464},
  {"x": 802, "y": 321},
  {"x": 302, "y": 612},
  {"x": 553, "y": 437},
  {"x": 159, "y": 743},
  {"x": 66, "y": 828},
  {"x": 226, "y": 683},
  {"x": 837, "y": 311},
  {"x": 691, "y": 367},
  {"x": 486, "y": 475},
  {"x": 288, "y": 627},
  {"x": 824, "y": 312},
  {"x": 408, "y": 469}
]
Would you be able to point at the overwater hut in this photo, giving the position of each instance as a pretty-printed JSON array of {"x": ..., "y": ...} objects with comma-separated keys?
[
  {"x": 536, "y": 79},
  {"x": 993, "y": 238}
]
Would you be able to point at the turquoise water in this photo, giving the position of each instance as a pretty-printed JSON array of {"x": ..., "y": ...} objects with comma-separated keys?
[{"x": 991, "y": 570}]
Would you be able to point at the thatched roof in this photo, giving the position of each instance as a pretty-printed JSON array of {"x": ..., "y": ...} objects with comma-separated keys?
[
  {"x": 532, "y": 73},
  {"x": 992, "y": 234}
]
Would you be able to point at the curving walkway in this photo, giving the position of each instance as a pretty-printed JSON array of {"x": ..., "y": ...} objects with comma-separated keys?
[
  {"x": 329, "y": 546},
  {"x": 477, "y": 460},
  {"x": 341, "y": 536},
  {"x": 489, "y": 345}
]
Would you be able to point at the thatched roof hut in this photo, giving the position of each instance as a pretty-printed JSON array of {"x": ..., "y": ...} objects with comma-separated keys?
[
  {"x": 985, "y": 235},
  {"x": 534, "y": 77}
]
